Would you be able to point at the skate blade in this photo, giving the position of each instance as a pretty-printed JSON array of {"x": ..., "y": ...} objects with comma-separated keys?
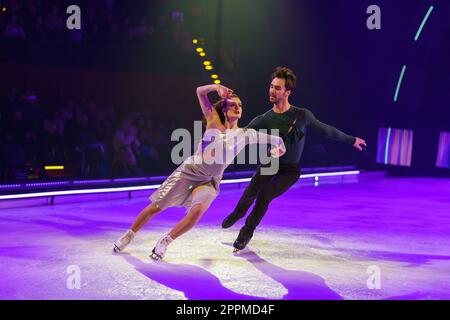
[
  {"x": 116, "y": 249},
  {"x": 238, "y": 251},
  {"x": 155, "y": 256}
]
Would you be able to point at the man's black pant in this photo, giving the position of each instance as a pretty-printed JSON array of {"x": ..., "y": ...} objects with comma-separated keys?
[{"x": 265, "y": 188}]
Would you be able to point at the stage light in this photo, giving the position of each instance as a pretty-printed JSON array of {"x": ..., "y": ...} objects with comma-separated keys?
[
  {"x": 202, "y": 54},
  {"x": 214, "y": 76},
  {"x": 217, "y": 81},
  {"x": 206, "y": 63},
  {"x": 208, "y": 67},
  {"x": 423, "y": 23},
  {"x": 54, "y": 167},
  {"x": 148, "y": 187},
  {"x": 400, "y": 79},
  {"x": 199, "y": 49},
  {"x": 195, "y": 41},
  {"x": 443, "y": 157},
  {"x": 4, "y": 9},
  {"x": 395, "y": 146}
]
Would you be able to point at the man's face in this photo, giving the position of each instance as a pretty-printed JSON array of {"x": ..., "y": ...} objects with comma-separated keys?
[{"x": 277, "y": 90}]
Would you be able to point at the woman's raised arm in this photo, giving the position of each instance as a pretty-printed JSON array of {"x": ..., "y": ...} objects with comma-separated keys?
[{"x": 205, "y": 104}]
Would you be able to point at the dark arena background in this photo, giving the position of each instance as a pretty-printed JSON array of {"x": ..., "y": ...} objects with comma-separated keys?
[{"x": 92, "y": 92}]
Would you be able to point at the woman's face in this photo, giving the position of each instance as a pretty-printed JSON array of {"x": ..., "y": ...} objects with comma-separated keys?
[{"x": 234, "y": 108}]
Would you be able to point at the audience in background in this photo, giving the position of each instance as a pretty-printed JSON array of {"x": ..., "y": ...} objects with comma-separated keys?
[
  {"x": 89, "y": 140},
  {"x": 114, "y": 34}
]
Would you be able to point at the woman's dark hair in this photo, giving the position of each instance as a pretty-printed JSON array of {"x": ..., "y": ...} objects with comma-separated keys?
[
  {"x": 219, "y": 106},
  {"x": 286, "y": 74}
]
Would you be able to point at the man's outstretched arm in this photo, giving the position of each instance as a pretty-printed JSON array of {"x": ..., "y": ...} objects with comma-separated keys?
[{"x": 333, "y": 133}]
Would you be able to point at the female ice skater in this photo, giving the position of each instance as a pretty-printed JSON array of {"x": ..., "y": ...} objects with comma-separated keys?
[{"x": 195, "y": 183}]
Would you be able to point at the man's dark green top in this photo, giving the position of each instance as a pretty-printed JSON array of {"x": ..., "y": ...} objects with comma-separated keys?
[{"x": 295, "y": 140}]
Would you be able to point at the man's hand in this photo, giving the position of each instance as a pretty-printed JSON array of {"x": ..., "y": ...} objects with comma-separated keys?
[
  {"x": 277, "y": 151},
  {"x": 359, "y": 143}
]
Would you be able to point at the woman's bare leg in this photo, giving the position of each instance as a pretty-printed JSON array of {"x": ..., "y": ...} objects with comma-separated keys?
[
  {"x": 144, "y": 216},
  {"x": 183, "y": 226},
  {"x": 190, "y": 220}
]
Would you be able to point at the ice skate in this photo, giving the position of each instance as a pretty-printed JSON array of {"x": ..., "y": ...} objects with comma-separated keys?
[
  {"x": 123, "y": 241},
  {"x": 244, "y": 237},
  {"x": 240, "y": 245},
  {"x": 159, "y": 251}
]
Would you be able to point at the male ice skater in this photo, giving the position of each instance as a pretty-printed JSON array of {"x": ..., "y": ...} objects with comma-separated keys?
[{"x": 291, "y": 122}]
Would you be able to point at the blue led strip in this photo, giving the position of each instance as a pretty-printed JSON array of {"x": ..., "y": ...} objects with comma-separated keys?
[
  {"x": 397, "y": 90},
  {"x": 386, "y": 151},
  {"x": 423, "y": 23}
]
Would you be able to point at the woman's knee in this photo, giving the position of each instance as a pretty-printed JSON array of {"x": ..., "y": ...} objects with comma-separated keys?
[
  {"x": 196, "y": 212},
  {"x": 152, "y": 210}
]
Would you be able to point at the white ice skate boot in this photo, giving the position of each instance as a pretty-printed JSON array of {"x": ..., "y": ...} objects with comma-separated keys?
[
  {"x": 160, "y": 248},
  {"x": 123, "y": 241}
]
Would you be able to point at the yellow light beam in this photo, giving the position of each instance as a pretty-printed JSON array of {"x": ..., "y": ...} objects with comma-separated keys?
[{"x": 54, "y": 167}]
